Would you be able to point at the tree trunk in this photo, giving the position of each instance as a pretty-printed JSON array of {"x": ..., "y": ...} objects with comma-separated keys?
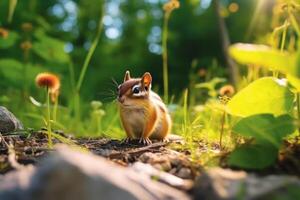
[{"x": 233, "y": 70}]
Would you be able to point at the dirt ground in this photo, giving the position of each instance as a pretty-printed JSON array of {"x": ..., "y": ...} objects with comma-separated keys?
[{"x": 32, "y": 150}]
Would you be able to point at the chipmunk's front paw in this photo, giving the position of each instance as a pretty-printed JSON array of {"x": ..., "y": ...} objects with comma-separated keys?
[
  {"x": 145, "y": 141},
  {"x": 126, "y": 140}
]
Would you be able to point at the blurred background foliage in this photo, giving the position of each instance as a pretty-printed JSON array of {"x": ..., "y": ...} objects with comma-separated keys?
[{"x": 55, "y": 36}]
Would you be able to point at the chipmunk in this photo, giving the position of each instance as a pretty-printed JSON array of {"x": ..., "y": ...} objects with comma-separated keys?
[{"x": 143, "y": 114}]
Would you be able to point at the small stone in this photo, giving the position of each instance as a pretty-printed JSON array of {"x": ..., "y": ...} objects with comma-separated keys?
[
  {"x": 164, "y": 177},
  {"x": 166, "y": 166},
  {"x": 146, "y": 157},
  {"x": 225, "y": 184},
  {"x": 185, "y": 173},
  {"x": 8, "y": 122}
]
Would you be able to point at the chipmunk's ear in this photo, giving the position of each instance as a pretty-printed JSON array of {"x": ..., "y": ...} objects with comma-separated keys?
[
  {"x": 127, "y": 76},
  {"x": 146, "y": 80}
]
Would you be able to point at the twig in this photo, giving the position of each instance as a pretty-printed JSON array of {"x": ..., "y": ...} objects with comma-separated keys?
[
  {"x": 137, "y": 151},
  {"x": 11, "y": 155}
]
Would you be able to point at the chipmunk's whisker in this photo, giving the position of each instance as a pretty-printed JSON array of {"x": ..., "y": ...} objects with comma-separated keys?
[
  {"x": 107, "y": 95},
  {"x": 115, "y": 82}
]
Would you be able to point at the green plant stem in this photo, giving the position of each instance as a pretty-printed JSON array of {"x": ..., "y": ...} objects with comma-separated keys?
[
  {"x": 165, "y": 56},
  {"x": 185, "y": 112},
  {"x": 11, "y": 10},
  {"x": 72, "y": 75},
  {"x": 294, "y": 23},
  {"x": 77, "y": 108},
  {"x": 48, "y": 120},
  {"x": 84, "y": 68},
  {"x": 298, "y": 109},
  {"x": 222, "y": 128},
  {"x": 282, "y": 44},
  {"x": 55, "y": 109},
  {"x": 283, "y": 39},
  {"x": 90, "y": 54}
]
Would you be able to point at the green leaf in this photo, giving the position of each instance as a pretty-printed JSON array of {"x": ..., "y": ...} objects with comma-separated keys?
[
  {"x": 268, "y": 132},
  {"x": 13, "y": 72},
  {"x": 266, "y": 128},
  {"x": 49, "y": 48},
  {"x": 294, "y": 81},
  {"x": 265, "y": 56},
  {"x": 257, "y": 156},
  {"x": 265, "y": 95},
  {"x": 11, "y": 69},
  {"x": 8, "y": 41}
]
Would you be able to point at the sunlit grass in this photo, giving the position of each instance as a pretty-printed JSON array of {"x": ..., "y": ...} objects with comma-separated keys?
[{"x": 200, "y": 127}]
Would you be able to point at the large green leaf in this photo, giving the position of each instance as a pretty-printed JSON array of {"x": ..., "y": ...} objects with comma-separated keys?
[
  {"x": 10, "y": 40},
  {"x": 257, "y": 156},
  {"x": 266, "y": 128},
  {"x": 268, "y": 132},
  {"x": 265, "y": 95},
  {"x": 265, "y": 56},
  {"x": 50, "y": 49}
]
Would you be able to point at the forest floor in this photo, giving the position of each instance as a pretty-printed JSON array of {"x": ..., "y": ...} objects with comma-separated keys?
[{"x": 162, "y": 156}]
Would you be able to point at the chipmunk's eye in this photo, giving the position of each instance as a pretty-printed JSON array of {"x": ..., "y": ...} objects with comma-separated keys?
[{"x": 136, "y": 89}]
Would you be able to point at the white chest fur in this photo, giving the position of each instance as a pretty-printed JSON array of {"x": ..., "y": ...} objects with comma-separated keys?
[{"x": 135, "y": 118}]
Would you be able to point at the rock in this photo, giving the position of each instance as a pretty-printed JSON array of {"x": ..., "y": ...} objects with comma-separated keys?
[
  {"x": 69, "y": 174},
  {"x": 172, "y": 162},
  {"x": 159, "y": 160},
  {"x": 185, "y": 173},
  {"x": 8, "y": 122},
  {"x": 224, "y": 184},
  {"x": 161, "y": 176}
]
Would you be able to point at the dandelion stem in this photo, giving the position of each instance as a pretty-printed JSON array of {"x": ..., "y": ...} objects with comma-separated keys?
[
  {"x": 165, "y": 56},
  {"x": 48, "y": 119}
]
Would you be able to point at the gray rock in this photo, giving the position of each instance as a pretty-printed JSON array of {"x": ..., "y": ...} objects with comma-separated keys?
[
  {"x": 223, "y": 184},
  {"x": 185, "y": 173},
  {"x": 74, "y": 175},
  {"x": 162, "y": 176},
  {"x": 8, "y": 122}
]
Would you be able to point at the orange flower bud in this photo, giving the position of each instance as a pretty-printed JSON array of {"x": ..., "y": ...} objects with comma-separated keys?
[
  {"x": 26, "y": 45},
  {"x": 227, "y": 90},
  {"x": 3, "y": 33},
  {"x": 171, "y": 5},
  {"x": 48, "y": 80},
  {"x": 26, "y": 27}
]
